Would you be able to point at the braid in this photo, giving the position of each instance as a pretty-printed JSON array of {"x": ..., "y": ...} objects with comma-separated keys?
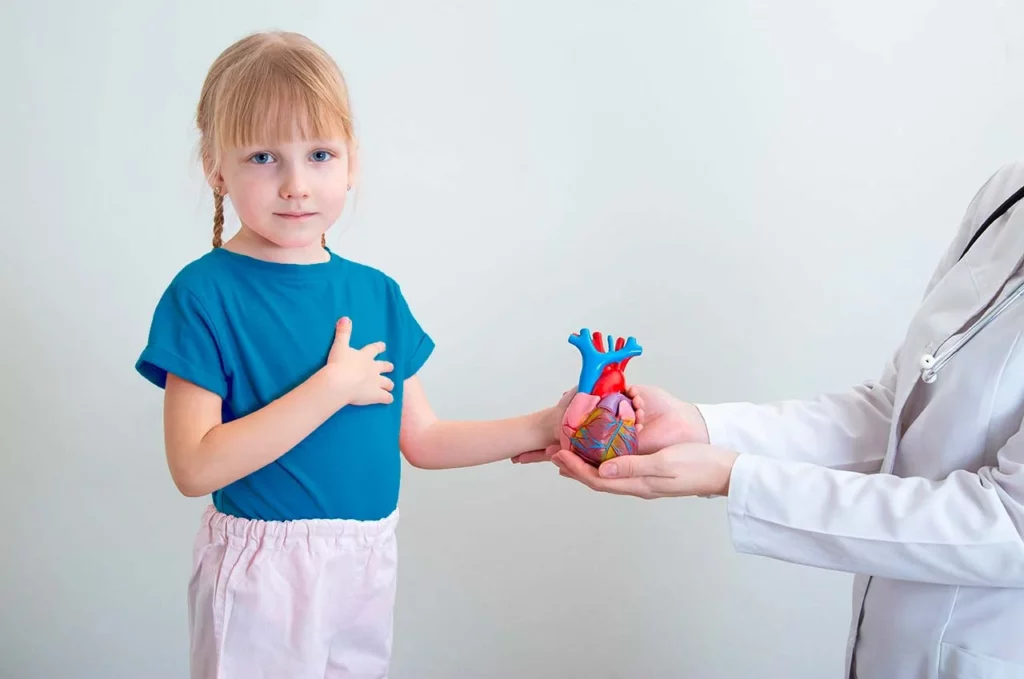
[{"x": 218, "y": 218}]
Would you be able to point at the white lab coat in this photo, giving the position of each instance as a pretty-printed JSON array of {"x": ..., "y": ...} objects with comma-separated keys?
[{"x": 917, "y": 488}]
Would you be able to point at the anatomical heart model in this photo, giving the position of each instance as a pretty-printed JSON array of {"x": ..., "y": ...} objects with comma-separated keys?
[{"x": 600, "y": 423}]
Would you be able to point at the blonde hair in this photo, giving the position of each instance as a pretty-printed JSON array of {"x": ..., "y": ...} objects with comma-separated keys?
[{"x": 258, "y": 90}]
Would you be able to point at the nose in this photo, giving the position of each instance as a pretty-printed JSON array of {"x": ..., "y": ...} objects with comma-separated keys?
[{"x": 294, "y": 185}]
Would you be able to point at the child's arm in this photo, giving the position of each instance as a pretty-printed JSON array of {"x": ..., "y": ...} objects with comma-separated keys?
[
  {"x": 204, "y": 454},
  {"x": 430, "y": 443}
]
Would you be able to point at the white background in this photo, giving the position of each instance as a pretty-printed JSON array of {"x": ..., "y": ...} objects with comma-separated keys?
[{"x": 771, "y": 184}]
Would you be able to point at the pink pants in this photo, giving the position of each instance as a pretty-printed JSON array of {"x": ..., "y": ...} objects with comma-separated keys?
[{"x": 292, "y": 599}]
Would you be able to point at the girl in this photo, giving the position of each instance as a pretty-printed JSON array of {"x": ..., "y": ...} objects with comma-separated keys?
[{"x": 290, "y": 387}]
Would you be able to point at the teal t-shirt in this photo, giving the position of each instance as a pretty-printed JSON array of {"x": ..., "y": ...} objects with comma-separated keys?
[{"x": 250, "y": 331}]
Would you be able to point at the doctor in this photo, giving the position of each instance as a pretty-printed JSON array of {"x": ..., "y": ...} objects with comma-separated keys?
[{"x": 915, "y": 482}]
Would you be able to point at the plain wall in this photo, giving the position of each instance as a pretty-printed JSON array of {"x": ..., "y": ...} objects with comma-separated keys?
[{"x": 772, "y": 184}]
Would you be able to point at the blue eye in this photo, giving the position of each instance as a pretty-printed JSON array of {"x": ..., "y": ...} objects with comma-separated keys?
[
  {"x": 321, "y": 156},
  {"x": 261, "y": 158}
]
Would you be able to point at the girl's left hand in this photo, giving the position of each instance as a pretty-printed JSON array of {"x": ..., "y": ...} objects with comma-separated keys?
[{"x": 676, "y": 471}]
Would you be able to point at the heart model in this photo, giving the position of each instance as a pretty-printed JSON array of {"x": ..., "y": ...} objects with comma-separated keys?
[{"x": 600, "y": 422}]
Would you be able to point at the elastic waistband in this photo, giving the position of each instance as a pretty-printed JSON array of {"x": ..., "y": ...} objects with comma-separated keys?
[{"x": 233, "y": 528}]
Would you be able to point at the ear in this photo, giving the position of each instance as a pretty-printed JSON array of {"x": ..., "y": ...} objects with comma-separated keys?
[{"x": 214, "y": 178}]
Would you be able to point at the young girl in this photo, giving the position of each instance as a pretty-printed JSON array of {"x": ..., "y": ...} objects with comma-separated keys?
[{"x": 290, "y": 387}]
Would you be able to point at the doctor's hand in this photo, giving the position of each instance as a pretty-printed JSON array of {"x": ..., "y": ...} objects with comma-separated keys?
[
  {"x": 679, "y": 470},
  {"x": 666, "y": 419}
]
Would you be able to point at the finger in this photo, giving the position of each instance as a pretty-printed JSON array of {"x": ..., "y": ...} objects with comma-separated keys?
[
  {"x": 566, "y": 475},
  {"x": 551, "y": 450},
  {"x": 537, "y": 456},
  {"x": 386, "y": 383},
  {"x": 625, "y": 411},
  {"x": 375, "y": 348},
  {"x": 531, "y": 457},
  {"x": 628, "y": 466},
  {"x": 384, "y": 366},
  {"x": 576, "y": 467},
  {"x": 544, "y": 455},
  {"x": 640, "y": 416},
  {"x": 343, "y": 331},
  {"x": 573, "y": 466}
]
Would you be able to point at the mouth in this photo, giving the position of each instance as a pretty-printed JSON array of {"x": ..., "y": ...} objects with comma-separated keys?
[{"x": 295, "y": 216}]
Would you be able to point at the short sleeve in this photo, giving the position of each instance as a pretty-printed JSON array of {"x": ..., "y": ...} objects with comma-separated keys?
[
  {"x": 416, "y": 343},
  {"x": 182, "y": 341}
]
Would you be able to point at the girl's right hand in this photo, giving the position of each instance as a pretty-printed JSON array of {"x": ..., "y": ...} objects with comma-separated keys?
[{"x": 356, "y": 373}]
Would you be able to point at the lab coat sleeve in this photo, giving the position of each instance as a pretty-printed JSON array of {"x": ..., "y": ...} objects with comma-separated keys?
[
  {"x": 965, "y": 529},
  {"x": 840, "y": 431}
]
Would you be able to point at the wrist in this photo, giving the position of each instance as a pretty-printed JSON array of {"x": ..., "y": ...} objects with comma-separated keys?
[
  {"x": 545, "y": 426},
  {"x": 727, "y": 462},
  {"x": 694, "y": 419},
  {"x": 331, "y": 381}
]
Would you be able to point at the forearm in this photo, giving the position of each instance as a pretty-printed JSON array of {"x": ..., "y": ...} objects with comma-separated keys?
[
  {"x": 233, "y": 450},
  {"x": 847, "y": 430},
  {"x": 447, "y": 444},
  {"x": 839, "y": 430}
]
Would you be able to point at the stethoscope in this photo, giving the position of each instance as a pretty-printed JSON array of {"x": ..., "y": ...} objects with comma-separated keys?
[{"x": 931, "y": 363}]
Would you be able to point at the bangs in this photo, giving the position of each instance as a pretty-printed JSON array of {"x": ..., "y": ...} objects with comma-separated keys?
[{"x": 279, "y": 98}]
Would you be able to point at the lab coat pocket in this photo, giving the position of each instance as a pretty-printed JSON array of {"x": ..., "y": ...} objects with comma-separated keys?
[{"x": 959, "y": 663}]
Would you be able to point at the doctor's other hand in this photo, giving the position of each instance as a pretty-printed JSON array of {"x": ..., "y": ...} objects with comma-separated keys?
[
  {"x": 680, "y": 470},
  {"x": 667, "y": 420}
]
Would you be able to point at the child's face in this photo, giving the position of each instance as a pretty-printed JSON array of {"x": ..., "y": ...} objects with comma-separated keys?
[{"x": 290, "y": 193}]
